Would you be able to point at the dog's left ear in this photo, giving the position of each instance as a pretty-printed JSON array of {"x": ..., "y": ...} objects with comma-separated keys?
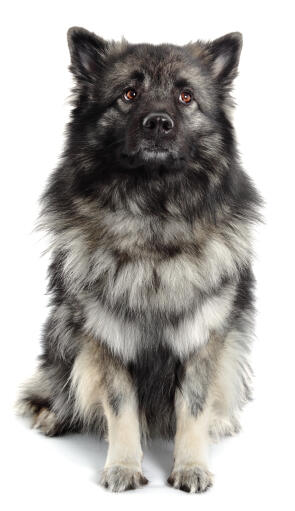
[{"x": 224, "y": 56}]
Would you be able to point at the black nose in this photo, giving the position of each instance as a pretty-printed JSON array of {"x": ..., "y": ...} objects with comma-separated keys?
[{"x": 158, "y": 123}]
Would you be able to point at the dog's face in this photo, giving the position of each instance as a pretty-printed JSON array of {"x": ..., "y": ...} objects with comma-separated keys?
[{"x": 151, "y": 105}]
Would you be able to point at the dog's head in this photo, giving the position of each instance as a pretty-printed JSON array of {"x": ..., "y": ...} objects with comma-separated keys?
[{"x": 146, "y": 105}]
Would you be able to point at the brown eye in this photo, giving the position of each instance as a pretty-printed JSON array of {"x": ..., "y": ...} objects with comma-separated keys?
[
  {"x": 130, "y": 94},
  {"x": 185, "y": 97}
]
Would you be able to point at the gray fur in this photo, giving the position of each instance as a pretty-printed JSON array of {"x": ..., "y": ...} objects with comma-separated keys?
[{"x": 150, "y": 236}]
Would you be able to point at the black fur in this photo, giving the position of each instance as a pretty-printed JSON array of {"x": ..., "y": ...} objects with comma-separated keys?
[{"x": 124, "y": 197}]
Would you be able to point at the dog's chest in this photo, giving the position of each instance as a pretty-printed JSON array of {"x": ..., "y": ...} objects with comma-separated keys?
[
  {"x": 167, "y": 284},
  {"x": 147, "y": 264},
  {"x": 143, "y": 285},
  {"x": 152, "y": 265}
]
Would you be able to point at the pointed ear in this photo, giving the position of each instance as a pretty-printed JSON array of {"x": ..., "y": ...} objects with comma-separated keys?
[
  {"x": 225, "y": 55},
  {"x": 88, "y": 52}
]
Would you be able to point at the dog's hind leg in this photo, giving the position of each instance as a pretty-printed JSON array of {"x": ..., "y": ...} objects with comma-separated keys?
[
  {"x": 232, "y": 385},
  {"x": 35, "y": 402},
  {"x": 45, "y": 398}
]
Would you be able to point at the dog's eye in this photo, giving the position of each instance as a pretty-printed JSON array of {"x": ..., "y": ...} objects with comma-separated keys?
[
  {"x": 130, "y": 94},
  {"x": 185, "y": 97}
]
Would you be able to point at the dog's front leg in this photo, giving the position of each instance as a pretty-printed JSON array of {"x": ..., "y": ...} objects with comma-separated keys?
[
  {"x": 122, "y": 469},
  {"x": 192, "y": 408},
  {"x": 102, "y": 386}
]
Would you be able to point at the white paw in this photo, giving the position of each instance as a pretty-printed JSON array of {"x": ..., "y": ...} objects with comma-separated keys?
[
  {"x": 119, "y": 478},
  {"x": 223, "y": 426},
  {"x": 191, "y": 479}
]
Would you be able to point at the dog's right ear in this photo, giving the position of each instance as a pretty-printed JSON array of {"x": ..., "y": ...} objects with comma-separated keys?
[{"x": 88, "y": 53}]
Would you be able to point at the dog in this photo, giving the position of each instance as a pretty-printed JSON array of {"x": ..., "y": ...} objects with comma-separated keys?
[{"x": 150, "y": 216}]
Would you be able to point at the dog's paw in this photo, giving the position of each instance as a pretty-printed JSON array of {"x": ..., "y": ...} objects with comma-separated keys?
[
  {"x": 26, "y": 408},
  {"x": 42, "y": 418},
  {"x": 119, "y": 478},
  {"x": 191, "y": 479},
  {"x": 222, "y": 427},
  {"x": 46, "y": 422}
]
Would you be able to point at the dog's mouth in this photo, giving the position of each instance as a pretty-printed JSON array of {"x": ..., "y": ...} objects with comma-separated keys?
[{"x": 153, "y": 154}]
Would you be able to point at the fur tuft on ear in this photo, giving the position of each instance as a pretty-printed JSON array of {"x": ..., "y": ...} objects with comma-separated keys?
[
  {"x": 225, "y": 55},
  {"x": 88, "y": 52}
]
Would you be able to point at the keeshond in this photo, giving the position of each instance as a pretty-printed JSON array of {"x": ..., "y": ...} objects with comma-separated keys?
[{"x": 150, "y": 217}]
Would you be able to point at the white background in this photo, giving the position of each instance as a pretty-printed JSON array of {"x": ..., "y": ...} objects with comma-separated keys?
[{"x": 256, "y": 468}]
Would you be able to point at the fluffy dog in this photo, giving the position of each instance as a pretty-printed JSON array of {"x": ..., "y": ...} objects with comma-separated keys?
[{"x": 150, "y": 217}]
